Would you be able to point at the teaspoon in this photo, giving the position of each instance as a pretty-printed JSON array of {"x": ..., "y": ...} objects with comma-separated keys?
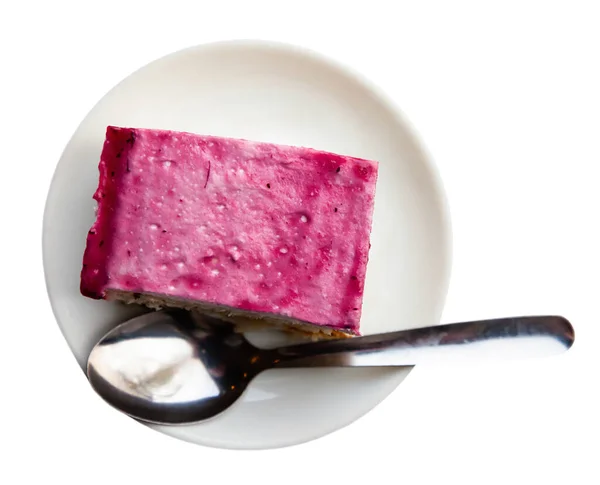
[{"x": 173, "y": 367}]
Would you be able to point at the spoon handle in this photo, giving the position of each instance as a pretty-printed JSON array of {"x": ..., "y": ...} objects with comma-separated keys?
[{"x": 477, "y": 341}]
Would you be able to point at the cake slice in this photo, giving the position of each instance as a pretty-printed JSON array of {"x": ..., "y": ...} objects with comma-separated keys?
[{"x": 275, "y": 233}]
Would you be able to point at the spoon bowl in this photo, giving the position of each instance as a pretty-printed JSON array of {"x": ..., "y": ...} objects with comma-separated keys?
[
  {"x": 168, "y": 367},
  {"x": 175, "y": 367}
]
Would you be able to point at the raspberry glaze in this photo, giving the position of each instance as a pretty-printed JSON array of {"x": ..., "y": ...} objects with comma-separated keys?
[{"x": 255, "y": 226}]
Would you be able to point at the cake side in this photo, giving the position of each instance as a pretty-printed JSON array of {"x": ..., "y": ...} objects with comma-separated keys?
[
  {"x": 243, "y": 320},
  {"x": 255, "y": 227},
  {"x": 113, "y": 164}
]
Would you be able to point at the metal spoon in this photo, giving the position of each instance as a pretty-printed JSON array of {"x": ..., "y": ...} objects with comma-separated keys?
[{"x": 168, "y": 367}]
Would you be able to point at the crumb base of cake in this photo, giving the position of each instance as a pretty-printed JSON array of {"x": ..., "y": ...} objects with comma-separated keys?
[{"x": 243, "y": 320}]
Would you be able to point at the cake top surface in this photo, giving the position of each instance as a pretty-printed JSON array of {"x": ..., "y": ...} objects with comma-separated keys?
[{"x": 250, "y": 225}]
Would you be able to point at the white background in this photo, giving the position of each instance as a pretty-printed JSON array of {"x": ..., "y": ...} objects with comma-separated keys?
[{"x": 506, "y": 96}]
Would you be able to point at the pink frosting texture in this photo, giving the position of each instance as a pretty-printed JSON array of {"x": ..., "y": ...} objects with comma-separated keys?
[{"x": 255, "y": 226}]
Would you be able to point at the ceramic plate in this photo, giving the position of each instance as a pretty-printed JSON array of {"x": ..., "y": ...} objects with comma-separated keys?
[{"x": 281, "y": 94}]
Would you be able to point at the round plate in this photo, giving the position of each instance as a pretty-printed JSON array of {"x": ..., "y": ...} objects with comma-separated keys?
[{"x": 282, "y": 94}]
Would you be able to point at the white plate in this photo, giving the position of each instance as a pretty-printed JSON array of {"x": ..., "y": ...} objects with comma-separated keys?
[{"x": 282, "y": 94}]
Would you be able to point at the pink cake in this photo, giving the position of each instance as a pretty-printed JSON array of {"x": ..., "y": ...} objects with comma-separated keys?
[{"x": 276, "y": 233}]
